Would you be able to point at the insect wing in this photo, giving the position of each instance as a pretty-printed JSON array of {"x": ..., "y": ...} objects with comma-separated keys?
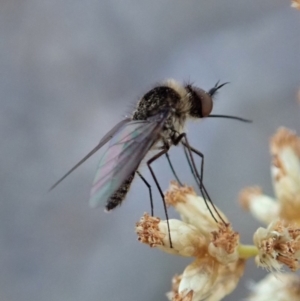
[
  {"x": 126, "y": 150},
  {"x": 103, "y": 141}
]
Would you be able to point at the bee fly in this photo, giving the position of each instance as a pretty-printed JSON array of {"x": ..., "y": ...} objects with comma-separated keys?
[{"x": 157, "y": 123}]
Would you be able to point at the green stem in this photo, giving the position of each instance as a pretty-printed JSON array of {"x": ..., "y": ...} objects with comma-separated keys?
[{"x": 247, "y": 251}]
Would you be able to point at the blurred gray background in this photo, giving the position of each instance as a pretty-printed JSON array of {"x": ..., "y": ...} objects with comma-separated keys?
[{"x": 69, "y": 71}]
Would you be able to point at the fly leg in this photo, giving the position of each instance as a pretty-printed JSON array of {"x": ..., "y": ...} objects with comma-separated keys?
[
  {"x": 150, "y": 191},
  {"x": 190, "y": 165},
  {"x": 199, "y": 178},
  {"x": 171, "y": 165},
  {"x": 201, "y": 159},
  {"x": 149, "y": 162},
  {"x": 172, "y": 168}
]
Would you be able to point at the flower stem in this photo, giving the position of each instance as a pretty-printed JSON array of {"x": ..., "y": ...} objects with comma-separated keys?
[{"x": 247, "y": 251}]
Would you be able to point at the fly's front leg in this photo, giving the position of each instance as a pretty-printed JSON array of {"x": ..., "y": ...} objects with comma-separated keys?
[
  {"x": 197, "y": 152},
  {"x": 188, "y": 151}
]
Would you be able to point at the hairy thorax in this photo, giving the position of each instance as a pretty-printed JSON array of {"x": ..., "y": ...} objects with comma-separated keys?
[{"x": 165, "y": 98}]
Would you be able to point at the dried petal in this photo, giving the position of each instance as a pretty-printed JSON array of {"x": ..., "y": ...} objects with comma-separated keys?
[
  {"x": 175, "y": 286},
  {"x": 277, "y": 287},
  {"x": 207, "y": 280},
  {"x": 199, "y": 277},
  {"x": 192, "y": 208},
  {"x": 183, "y": 296},
  {"x": 224, "y": 246},
  {"x": 228, "y": 278},
  {"x": 262, "y": 207}
]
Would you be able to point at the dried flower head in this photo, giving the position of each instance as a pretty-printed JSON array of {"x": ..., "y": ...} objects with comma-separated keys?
[
  {"x": 217, "y": 267},
  {"x": 186, "y": 239},
  {"x": 285, "y": 170},
  {"x": 285, "y": 149},
  {"x": 278, "y": 245},
  {"x": 202, "y": 281}
]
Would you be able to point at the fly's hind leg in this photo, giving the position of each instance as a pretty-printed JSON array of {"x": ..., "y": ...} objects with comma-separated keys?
[
  {"x": 149, "y": 162},
  {"x": 150, "y": 191}
]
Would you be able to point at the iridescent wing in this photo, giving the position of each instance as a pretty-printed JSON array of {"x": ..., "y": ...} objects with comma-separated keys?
[
  {"x": 103, "y": 141},
  {"x": 126, "y": 150}
]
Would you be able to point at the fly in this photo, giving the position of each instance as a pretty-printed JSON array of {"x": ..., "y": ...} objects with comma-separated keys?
[{"x": 157, "y": 123}]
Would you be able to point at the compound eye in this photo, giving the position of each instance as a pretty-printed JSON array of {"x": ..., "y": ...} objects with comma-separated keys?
[{"x": 207, "y": 104}]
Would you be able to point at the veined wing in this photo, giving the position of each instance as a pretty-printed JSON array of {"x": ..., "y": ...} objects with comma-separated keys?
[
  {"x": 126, "y": 150},
  {"x": 103, "y": 141}
]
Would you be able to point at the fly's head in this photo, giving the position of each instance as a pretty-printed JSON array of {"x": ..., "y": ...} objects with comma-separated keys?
[{"x": 201, "y": 102}]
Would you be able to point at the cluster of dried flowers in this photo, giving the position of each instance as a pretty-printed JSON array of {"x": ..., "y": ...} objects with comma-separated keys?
[
  {"x": 214, "y": 246},
  {"x": 278, "y": 244},
  {"x": 219, "y": 256}
]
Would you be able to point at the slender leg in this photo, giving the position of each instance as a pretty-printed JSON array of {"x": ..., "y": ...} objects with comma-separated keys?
[
  {"x": 150, "y": 191},
  {"x": 195, "y": 173},
  {"x": 190, "y": 165},
  {"x": 201, "y": 158},
  {"x": 172, "y": 168},
  {"x": 188, "y": 153},
  {"x": 151, "y": 160}
]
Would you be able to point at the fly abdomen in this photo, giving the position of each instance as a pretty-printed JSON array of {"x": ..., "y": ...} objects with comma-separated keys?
[{"x": 119, "y": 195}]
